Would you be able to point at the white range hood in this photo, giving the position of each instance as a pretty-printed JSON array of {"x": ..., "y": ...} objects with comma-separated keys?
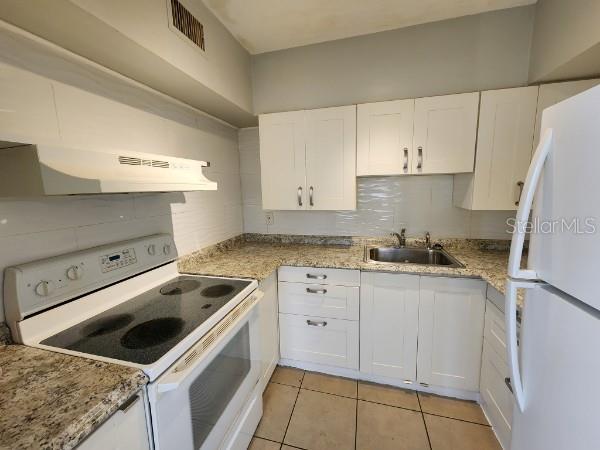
[{"x": 34, "y": 170}]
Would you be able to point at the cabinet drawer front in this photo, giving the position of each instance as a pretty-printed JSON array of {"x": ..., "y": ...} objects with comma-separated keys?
[
  {"x": 496, "y": 397},
  {"x": 321, "y": 300},
  {"x": 494, "y": 331},
  {"x": 319, "y": 340},
  {"x": 314, "y": 275}
]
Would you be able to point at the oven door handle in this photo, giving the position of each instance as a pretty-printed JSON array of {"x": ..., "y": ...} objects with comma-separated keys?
[{"x": 175, "y": 377}]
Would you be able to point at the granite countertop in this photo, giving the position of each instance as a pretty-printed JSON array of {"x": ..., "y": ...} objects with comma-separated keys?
[
  {"x": 51, "y": 400},
  {"x": 259, "y": 256}
]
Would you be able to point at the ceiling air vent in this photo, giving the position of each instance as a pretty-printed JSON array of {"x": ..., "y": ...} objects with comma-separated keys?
[{"x": 187, "y": 24}]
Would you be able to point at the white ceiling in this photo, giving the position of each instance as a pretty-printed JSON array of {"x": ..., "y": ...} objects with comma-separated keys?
[{"x": 266, "y": 25}]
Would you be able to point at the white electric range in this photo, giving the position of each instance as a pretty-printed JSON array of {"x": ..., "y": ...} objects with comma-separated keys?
[{"x": 195, "y": 337}]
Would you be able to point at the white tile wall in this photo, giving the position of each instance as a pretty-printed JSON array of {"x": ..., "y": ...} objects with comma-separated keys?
[{"x": 385, "y": 204}]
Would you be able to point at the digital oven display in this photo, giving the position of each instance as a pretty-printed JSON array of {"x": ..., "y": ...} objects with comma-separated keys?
[{"x": 117, "y": 260}]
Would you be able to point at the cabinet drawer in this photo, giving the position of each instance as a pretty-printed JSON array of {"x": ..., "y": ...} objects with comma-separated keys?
[
  {"x": 321, "y": 300},
  {"x": 319, "y": 340},
  {"x": 314, "y": 275},
  {"x": 497, "y": 399},
  {"x": 495, "y": 330}
]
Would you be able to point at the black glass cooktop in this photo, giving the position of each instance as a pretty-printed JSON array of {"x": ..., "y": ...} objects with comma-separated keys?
[{"x": 144, "y": 328}]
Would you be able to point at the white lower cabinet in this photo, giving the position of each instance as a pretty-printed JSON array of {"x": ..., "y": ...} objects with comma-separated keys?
[
  {"x": 269, "y": 328},
  {"x": 389, "y": 317},
  {"x": 318, "y": 316},
  {"x": 496, "y": 399},
  {"x": 126, "y": 429},
  {"x": 451, "y": 317}
]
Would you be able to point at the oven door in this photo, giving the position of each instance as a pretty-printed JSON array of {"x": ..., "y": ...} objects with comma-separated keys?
[{"x": 196, "y": 401}]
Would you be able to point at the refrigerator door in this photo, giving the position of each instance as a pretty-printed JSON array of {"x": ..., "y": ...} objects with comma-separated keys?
[
  {"x": 564, "y": 246},
  {"x": 560, "y": 371}
]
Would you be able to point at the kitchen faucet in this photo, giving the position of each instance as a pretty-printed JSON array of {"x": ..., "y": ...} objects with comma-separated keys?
[
  {"x": 427, "y": 240},
  {"x": 401, "y": 237}
]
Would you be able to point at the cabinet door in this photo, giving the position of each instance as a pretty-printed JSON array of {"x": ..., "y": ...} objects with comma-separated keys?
[
  {"x": 552, "y": 93},
  {"x": 282, "y": 160},
  {"x": 384, "y": 137},
  {"x": 27, "y": 109},
  {"x": 269, "y": 328},
  {"x": 126, "y": 429},
  {"x": 389, "y": 317},
  {"x": 444, "y": 133},
  {"x": 331, "y": 158},
  {"x": 451, "y": 317},
  {"x": 506, "y": 122}
]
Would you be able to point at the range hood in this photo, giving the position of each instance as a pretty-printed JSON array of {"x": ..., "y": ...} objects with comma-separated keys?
[{"x": 35, "y": 170}]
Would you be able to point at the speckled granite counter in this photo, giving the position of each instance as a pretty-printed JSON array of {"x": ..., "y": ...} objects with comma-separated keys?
[
  {"x": 259, "y": 256},
  {"x": 50, "y": 400}
]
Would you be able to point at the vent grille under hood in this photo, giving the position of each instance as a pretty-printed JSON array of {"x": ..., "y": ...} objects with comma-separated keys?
[{"x": 30, "y": 170}]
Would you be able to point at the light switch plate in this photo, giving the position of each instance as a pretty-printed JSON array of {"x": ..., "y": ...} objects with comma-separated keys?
[{"x": 269, "y": 218}]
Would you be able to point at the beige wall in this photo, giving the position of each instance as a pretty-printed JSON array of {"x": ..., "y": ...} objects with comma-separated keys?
[
  {"x": 484, "y": 51},
  {"x": 566, "y": 40}
]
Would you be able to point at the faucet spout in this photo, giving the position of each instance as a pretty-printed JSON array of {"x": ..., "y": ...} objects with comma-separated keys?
[
  {"x": 400, "y": 237},
  {"x": 427, "y": 240}
]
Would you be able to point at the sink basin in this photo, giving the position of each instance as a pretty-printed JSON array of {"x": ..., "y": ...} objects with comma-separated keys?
[{"x": 408, "y": 255}]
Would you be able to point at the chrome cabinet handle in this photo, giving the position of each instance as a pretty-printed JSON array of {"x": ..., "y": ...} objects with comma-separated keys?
[
  {"x": 520, "y": 184},
  {"x": 419, "y": 157},
  {"x": 299, "y": 195},
  {"x": 316, "y": 277},
  {"x": 310, "y": 196},
  {"x": 313, "y": 323},
  {"x": 508, "y": 384},
  {"x": 316, "y": 291},
  {"x": 405, "y": 159},
  {"x": 129, "y": 403}
]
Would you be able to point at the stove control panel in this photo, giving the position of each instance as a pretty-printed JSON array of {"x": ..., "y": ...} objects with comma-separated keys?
[
  {"x": 36, "y": 286},
  {"x": 118, "y": 259}
]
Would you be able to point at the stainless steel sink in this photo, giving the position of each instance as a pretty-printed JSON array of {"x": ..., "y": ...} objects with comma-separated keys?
[{"x": 408, "y": 255}]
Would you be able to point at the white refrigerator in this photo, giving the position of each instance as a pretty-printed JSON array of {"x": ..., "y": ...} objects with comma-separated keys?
[{"x": 555, "y": 365}]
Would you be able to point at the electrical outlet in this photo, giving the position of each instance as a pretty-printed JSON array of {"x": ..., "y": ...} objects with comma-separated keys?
[{"x": 270, "y": 218}]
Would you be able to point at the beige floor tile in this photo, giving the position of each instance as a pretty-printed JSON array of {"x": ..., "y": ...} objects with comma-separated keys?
[
  {"x": 451, "y": 407},
  {"x": 287, "y": 447},
  {"x": 388, "y": 395},
  {"x": 262, "y": 444},
  {"x": 322, "y": 422},
  {"x": 385, "y": 427},
  {"x": 329, "y": 384},
  {"x": 278, "y": 403},
  {"x": 288, "y": 375},
  {"x": 450, "y": 434}
]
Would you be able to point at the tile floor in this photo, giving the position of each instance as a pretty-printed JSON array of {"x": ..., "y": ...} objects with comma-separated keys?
[{"x": 312, "y": 411}]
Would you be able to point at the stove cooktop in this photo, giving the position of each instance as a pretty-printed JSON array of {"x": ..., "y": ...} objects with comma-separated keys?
[{"x": 144, "y": 328}]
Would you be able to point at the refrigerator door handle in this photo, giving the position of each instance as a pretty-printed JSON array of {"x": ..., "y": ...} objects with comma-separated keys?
[
  {"x": 525, "y": 203},
  {"x": 511, "y": 339}
]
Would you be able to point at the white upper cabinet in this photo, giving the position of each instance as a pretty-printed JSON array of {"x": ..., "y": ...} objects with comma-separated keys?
[
  {"x": 451, "y": 318},
  {"x": 505, "y": 135},
  {"x": 389, "y": 317},
  {"x": 282, "y": 160},
  {"x": 308, "y": 159},
  {"x": 445, "y": 129},
  {"x": 385, "y": 137},
  {"x": 551, "y": 94},
  {"x": 331, "y": 158},
  {"x": 27, "y": 110}
]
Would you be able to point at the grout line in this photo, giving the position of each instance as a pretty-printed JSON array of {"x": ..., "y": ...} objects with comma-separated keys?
[
  {"x": 460, "y": 420},
  {"x": 356, "y": 423},
  {"x": 424, "y": 423},
  {"x": 293, "y": 408},
  {"x": 329, "y": 393}
]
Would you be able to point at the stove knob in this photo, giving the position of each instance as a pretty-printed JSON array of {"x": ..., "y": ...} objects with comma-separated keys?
[
  {"x": 44, "y": 288},
  {"x": 152, "y": 249},
  {"x": 167, "y": 249},
  {"x": 74, "y": 272}
]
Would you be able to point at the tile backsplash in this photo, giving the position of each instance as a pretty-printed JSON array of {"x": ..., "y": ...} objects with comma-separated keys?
[{"x": 384, "y": 204}]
